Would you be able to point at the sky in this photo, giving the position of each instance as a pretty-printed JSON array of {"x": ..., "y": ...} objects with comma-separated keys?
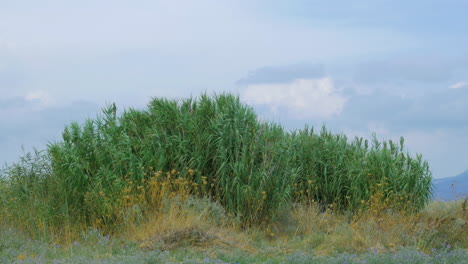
[{"x": 393, "y": 68}]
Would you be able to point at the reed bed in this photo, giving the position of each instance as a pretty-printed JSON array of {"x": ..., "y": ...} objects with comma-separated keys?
[{"x": 111, "y": 169}]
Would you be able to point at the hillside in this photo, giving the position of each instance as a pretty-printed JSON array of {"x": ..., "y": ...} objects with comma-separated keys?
[{"x": 451, "y": 188}]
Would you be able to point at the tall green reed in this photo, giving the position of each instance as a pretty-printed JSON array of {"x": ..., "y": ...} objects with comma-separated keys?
[{"x": 252, "y": 168}]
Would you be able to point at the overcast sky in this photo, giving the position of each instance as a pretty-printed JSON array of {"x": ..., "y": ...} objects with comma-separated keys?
[{"x": 396, "y": 68}]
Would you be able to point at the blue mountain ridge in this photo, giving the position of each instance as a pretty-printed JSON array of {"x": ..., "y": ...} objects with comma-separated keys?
[{"x": 451, "y": 188}]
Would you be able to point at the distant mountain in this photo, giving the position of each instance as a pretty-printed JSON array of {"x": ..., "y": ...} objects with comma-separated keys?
[{"x": 451, "y": 188}]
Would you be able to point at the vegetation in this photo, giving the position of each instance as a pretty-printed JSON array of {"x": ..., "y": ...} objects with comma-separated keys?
[
  {"x": 97, "y": 249},
  {"x": 185, "y": 173},
  {"x": 198, "y": 231}
]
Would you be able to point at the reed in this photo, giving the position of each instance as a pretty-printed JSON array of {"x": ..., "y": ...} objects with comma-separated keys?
[{"x": 206, "y": 147}]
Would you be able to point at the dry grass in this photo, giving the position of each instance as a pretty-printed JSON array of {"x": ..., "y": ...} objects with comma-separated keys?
[
  {"x": 329, "y": 231},
  {"x": 304, "y": 228}
]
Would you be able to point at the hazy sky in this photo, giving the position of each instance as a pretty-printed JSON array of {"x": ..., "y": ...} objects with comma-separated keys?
[{"x": 397, "y": 68}]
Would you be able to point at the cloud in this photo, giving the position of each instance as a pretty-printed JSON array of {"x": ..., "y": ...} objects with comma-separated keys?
[
  {"x": 397, "y": 70},
  {"x": 442, "y": 109},
  {"x": 43, "y": 98},
  {"x": 302, "y": 98},
  {"x": 410, "y": 75},
  {"x": 375, "y": 107},
  {"x": 283, "y": 74},
  {"x": 458, "y": 85}
]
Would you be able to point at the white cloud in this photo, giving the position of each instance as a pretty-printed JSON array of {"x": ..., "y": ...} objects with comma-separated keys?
[
  {"x": 459, "y": 85},
  {"x": 303, "y": 98},
  {"x": 40, "y": 96}
]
